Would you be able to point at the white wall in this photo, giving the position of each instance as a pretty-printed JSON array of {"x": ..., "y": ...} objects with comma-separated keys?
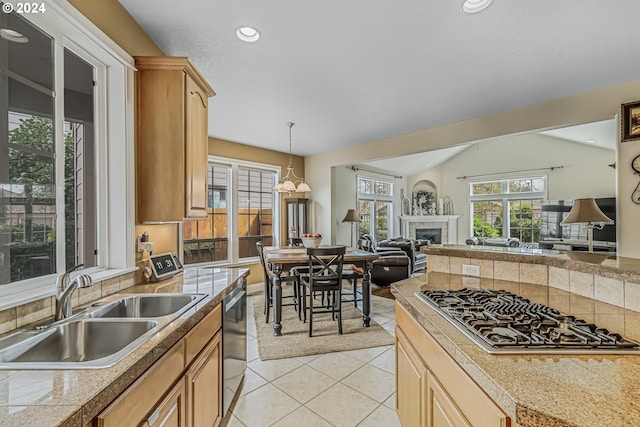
[
  {"x": 585, "y": 171},
  {"x": 345, "y": 198},
  {"x": 583, "y": 108}
]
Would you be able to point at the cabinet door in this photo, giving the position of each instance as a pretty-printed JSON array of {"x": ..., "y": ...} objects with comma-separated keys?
[
  {"x": 441, "y": 411},
  {"x": 196, "y": 150},
  {"x": 204, "y": 382},
  {"x": 171, "y": 411},
  {"x": 411, "y": 378}
]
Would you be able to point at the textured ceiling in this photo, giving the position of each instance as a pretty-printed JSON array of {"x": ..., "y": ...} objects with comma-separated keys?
[{"x": 352, "y": 72}]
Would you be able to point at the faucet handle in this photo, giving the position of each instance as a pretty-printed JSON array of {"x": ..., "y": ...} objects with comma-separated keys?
[{"x": 84, "y": 281}]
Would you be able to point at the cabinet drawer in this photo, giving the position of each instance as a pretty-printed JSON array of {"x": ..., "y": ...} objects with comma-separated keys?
[
  {"x": 202, "y": 333},
  {"x": 140, "y": 398}
]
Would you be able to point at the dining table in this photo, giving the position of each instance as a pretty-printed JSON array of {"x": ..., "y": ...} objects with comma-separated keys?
[{"x": 282, "y": 258}]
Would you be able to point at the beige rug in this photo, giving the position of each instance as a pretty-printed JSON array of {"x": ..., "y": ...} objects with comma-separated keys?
[{"x": 295, "y": 340}]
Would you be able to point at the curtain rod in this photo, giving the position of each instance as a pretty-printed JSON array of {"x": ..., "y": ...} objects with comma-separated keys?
[
  {"x": 551, "y": 168},
  {"x": 357, "y": 168}
]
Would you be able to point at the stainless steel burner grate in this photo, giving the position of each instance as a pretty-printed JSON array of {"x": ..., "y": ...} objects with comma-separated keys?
[{"x": 503, "y": 322}]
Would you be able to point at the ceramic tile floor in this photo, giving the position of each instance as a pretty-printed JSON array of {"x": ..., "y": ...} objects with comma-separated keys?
[{"x": 342, "y": 389}]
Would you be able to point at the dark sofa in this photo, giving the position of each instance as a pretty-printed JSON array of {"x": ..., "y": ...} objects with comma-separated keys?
[{"x": 411, "y": 247}]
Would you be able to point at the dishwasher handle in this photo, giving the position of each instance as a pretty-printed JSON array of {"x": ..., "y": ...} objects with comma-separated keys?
[{"x": 235, "y": 296}]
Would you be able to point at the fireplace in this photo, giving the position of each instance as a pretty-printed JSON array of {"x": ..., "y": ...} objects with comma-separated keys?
[
  {"x": 438, "y": 228},
  {"x": 433, "y": 234}
]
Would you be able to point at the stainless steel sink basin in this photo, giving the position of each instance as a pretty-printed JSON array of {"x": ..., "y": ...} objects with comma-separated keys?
[
  {"x": 89, "y": 342},
  {"x": 98, "y": 337},
  {"x": 145, "y": 306}
]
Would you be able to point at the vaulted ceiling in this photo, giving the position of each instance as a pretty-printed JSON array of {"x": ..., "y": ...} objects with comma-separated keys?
[{"x": 350, "y": 72}]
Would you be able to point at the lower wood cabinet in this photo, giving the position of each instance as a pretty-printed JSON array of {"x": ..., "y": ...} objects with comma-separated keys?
[
  {"x": 171, "y": 412},
  {"x": 411, "y": 384},
  {"x": 182, "y": 389},
  {"x": 432, "y": 390},
  {"x": 204, "y": 391}
]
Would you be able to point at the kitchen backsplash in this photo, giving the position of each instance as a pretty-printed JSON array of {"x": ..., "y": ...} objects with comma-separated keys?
[{"x": 34, "y": 311}]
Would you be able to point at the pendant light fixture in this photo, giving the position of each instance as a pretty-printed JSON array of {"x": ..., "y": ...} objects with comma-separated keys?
[{"x": 291, "y": 183}]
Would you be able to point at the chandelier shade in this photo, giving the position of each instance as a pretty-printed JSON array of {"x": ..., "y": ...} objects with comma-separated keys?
[{"x": 291, "y": 183}]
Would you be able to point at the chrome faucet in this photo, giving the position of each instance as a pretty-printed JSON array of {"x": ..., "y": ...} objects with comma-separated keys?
[{"x": 65, "y": 288}]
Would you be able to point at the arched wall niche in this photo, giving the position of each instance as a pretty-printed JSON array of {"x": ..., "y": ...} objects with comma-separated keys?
[{"x": 424, "y": 197}]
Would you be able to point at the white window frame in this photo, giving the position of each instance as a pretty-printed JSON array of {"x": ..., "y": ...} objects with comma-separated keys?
[
  {"x": 378, "y": 198},
  {"x": 232, "y": 225},
  {"x": 115, "y": 173},
  {"x": 505, "y": 197}
]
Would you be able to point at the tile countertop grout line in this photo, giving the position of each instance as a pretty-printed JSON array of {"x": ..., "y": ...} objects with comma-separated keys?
[
  {"x": 531, "y": 403},
  {"x": 125, "y": 372}
]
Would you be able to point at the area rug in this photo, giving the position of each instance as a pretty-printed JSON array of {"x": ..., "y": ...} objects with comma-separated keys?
[{"x": 295, "y": 340}]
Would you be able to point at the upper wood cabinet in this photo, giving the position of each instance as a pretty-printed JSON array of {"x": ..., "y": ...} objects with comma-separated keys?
[{"x": 171, "y": 139}]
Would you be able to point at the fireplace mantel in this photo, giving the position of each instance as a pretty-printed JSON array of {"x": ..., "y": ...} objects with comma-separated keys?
[{"x": 447, "y": 223}]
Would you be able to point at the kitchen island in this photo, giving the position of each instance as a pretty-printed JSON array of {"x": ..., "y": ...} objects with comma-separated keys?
[
  {"x": 532, "y": 390},
  {"x": 73, "y": 397}
]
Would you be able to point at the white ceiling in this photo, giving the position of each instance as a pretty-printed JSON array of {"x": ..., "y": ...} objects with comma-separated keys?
[{"x": 350, "y": 72}]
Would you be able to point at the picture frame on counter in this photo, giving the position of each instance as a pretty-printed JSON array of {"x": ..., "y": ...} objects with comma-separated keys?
[{"x": 630, "y": 121}]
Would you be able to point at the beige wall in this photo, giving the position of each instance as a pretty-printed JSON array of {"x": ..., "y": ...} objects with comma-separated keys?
[{"x": 115, "y": 22}]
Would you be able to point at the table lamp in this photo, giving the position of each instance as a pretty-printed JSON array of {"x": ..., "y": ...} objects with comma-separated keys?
[
  {"x": 351, "y": 217},
  {"x": 587, "y": 212}
]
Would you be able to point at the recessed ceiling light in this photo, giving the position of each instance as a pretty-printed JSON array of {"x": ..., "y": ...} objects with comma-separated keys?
[
  {"x": 248, "y": 34},
  {"x": 12, "y": 36},
  {"x": 475, "y": 6},
  {"x": 591, "y": 141}
]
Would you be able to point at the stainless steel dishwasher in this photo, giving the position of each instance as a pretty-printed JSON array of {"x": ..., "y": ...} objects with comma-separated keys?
[{"x": 234, "y": 343}]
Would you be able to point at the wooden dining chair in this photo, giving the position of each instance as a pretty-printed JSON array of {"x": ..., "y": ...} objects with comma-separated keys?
[
  {"x": 268, "y": 282},
  {"x": 325, "y": 276}
]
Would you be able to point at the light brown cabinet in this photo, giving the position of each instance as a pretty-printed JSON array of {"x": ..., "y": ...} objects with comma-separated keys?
[
  {"x": 182, "y": 389},
  {"x": 203, "y": 381},
  {"x": 171, "y": 411},
  {"x": 411, "y": 384},
  {"x": 171, "y": 139},
  {"x": 432, "y": 390}
]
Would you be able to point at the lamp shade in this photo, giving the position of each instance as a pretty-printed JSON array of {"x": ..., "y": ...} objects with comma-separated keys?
[
  {"x": 351, "y": 216},
  {"x": 586, "y": 211}
]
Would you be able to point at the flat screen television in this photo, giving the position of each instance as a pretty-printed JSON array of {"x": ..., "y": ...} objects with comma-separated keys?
[{"x": 554, "y": 211}]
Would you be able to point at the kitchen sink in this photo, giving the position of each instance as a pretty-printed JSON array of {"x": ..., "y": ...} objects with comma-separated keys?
[
  {"x": 98, "y": 337},
  {"x": 77, "y": 342},
  {"x": 145, "y": 306}
]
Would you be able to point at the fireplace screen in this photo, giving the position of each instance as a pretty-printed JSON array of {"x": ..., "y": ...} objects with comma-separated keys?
[{"x": 433, "y": 234}]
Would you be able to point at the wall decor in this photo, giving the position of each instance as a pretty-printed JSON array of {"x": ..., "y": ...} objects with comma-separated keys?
[
  {"x": 630, "y": 121},
  {"x": 424, "y": 203}
]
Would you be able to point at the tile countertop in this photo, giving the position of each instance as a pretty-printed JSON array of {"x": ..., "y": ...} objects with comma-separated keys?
[
  {"x": 540, "y": 390},
  {"x": 73, "y": 397},
  {"x": 606, "y": 264}
]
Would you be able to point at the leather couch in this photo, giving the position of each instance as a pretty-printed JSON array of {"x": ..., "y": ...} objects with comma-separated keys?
[
  {"x": 392, "y": 266},
  {"x": 411, "y": 248},
  {"x": 510, "y": 242}
]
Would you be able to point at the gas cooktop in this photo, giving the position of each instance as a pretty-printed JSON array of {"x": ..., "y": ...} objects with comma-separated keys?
[{"x": 506, "y": 323}]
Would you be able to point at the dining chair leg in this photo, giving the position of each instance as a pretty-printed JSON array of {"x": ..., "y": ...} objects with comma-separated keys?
[
  {"x": 267, "y": 303},
  {"x": 339, "y": 303},
  {"x": 304, "y": 304},
  {"x": 355, "y": 291},
  {"x": 310, "y": 314}
]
